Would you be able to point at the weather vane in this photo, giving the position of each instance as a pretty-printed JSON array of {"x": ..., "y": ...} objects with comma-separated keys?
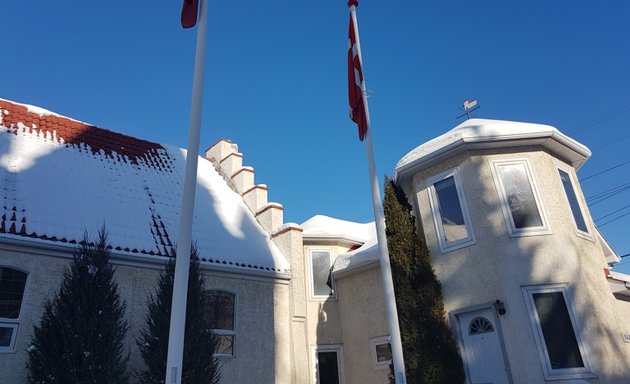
[{"x": 469, "y": 106}]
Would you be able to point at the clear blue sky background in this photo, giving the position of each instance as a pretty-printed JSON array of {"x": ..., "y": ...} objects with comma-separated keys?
[{"x": 276, "y": 82}]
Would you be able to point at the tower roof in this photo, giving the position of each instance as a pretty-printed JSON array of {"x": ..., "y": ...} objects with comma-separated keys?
[{"x": 491, "y": 134}]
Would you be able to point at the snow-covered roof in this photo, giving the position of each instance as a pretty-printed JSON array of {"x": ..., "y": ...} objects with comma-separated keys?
[
  {"x": 363, "y": 235},
  {"x": 61, "y": 177},
  {"x": 491, "y": 134},
  {"x": 366, "y": 255},
  {"x": 321, "y": 227}
]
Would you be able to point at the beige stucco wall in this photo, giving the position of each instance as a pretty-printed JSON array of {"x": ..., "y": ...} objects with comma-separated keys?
[
  {"x": 262, "y": 342},
  {"x": 363, "y": 318},
  {"x": 497, "y": 266},
  {"x": 350, "y": 320},
  {"x": 323, "y": 318}
]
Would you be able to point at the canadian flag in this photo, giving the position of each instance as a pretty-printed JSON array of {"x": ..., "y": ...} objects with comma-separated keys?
[
  {"x": 355, "y": 82},
  {"x": 189, "y": 13}
]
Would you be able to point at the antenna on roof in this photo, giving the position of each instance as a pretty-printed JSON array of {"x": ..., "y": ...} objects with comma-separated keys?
[{"x": 469, "y": 106}]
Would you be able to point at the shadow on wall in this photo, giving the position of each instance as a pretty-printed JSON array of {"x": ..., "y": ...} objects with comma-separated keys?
[
  {"x": 327, "y": 360},
  {"x": 499, "y": 267}
]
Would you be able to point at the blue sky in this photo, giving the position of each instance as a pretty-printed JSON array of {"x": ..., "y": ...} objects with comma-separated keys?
[{"x": 276, "y": 82}]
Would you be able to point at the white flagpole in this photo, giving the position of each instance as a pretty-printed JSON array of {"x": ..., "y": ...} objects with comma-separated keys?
[
  {"x": 386, "y": 270},
  {"x": 182, "y": 262}
]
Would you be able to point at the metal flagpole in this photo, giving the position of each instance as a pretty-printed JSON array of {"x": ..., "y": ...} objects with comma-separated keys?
[
  {"x": 386, "y": 270},
  {"x": 182, "y": 263}
]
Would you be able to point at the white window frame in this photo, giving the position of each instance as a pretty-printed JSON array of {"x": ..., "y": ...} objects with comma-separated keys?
[
  {"x": 375, "y": 342},
  {"x": 543, "y": 354},
  {"x": 437, "y": 217},
  {"x": 313, "y": 296},
  {"x": 507, "y": 213},
  {"x": 579, "y": 232},
  {"x": 226, "y": 332},
  {"x": 11, "y": 346},
  {"x": 338, "y": 348},
  {"x": 6, "y": 322}
]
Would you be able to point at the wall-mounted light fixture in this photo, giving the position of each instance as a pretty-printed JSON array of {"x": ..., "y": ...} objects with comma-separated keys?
[{"x": 499, "y": 307}]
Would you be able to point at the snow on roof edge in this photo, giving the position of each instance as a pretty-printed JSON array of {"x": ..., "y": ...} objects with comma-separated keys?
[{"x": 484, "y": 131}]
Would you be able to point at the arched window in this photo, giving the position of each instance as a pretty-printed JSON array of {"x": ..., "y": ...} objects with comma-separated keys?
[
  {"x": 12, "y": 284},
  {"x": 480, "y": 325},
  {"x": 219, "y": 314}
]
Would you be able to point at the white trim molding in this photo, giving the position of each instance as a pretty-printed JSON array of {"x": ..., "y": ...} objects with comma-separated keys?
[
  {"x": 312, "y": 295},
  {"x": 436, "y": 210},
  {"x": 457, "y": 330},
  {"x": 550, "y": 372},
  {"x": 229, "y": 333},
  {"x": 587, "y": 233},
  {"x": 508, "y": 204},
  {"x": 376, "y": 342},
  {"x": 10, "y": 322},
  {"x": 337, "y": 349}
]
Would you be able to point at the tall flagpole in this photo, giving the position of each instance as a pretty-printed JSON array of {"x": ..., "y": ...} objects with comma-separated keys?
[
  {"x": 386, "y": 269},
  {"x": 182, "y": 262}
]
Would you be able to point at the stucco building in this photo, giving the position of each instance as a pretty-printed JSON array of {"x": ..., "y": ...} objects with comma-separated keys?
[{"x": 525, "y": 273}]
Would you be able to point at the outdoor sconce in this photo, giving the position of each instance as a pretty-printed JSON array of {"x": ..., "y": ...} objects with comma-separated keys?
[{"x": 499, "y": 307}]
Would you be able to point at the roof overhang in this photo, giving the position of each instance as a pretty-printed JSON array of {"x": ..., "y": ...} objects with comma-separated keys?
[
  {"x": 60, "y": 250},
  {"x": 341, "y": 240},
  {"x": 619, "y": 284},
  {"x": 478, "y": 134}
]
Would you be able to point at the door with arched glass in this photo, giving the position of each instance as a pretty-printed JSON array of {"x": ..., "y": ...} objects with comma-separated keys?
[{"x": 483, "y": 351}]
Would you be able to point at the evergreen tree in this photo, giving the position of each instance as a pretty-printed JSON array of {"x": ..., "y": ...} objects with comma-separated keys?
[
  {"x": 199, "y": 364},
  {"x": 431, "y": 355},
  {"x": 80, "y": 337}
]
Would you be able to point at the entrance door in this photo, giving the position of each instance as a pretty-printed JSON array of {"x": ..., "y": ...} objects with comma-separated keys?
[{"x": 483, "y": 352}]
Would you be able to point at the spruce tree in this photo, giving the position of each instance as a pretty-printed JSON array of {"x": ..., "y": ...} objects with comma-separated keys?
[
  {"x": 431, "y": 355},
  {"x": 80, "y": 337},
  {"x": 199, "y": 364}
]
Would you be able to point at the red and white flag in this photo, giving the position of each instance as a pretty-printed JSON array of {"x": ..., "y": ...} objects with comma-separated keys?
[
  {"x": 189, "y": 13},
  {"x": 355, "y": 82}
]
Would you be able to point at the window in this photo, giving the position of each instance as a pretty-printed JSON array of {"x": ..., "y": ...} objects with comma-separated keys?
[
  {"x": 328, "y": 364},
  {"x": 560, "y": 349},
  {"x": 450, "y": 213},
  {"x": 519, "y": 198},
  {"x": 576, "y": 209},
  {"x": 320, "y": 262},
  {"x": 480, "y": 325},
  {"x": 12, "y": 284},
  {"x": 219, "y": 313},
  {"x": 381, "y": 352}
]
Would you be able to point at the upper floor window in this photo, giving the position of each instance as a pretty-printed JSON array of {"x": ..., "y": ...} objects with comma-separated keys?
[
  {"x": 219, "y": 312},
  {"x": 320, "y": 262},
  {"x": 576, "y": 209},
  {"x": 450, "y": 213},
  {"x": 555, "y": 330},
  {"x": 12, "y": 285},
  {"x": 519, "y": 197}
]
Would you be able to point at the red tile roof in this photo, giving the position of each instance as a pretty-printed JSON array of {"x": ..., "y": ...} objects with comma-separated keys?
[
  {"x": 136, "y": 193},
  {"x": 75, "y": 132}
]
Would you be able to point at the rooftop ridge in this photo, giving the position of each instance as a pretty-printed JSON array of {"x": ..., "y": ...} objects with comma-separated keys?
[{"x": 23, "y": 118}]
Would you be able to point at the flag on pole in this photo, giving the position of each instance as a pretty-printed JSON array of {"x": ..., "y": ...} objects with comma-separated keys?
[
  {"x": 355, "y": 79},
  {"x": 189, "y": 13}
]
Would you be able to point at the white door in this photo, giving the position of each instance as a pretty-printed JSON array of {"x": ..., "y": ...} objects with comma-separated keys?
[{"x": 483, "y": 353}]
